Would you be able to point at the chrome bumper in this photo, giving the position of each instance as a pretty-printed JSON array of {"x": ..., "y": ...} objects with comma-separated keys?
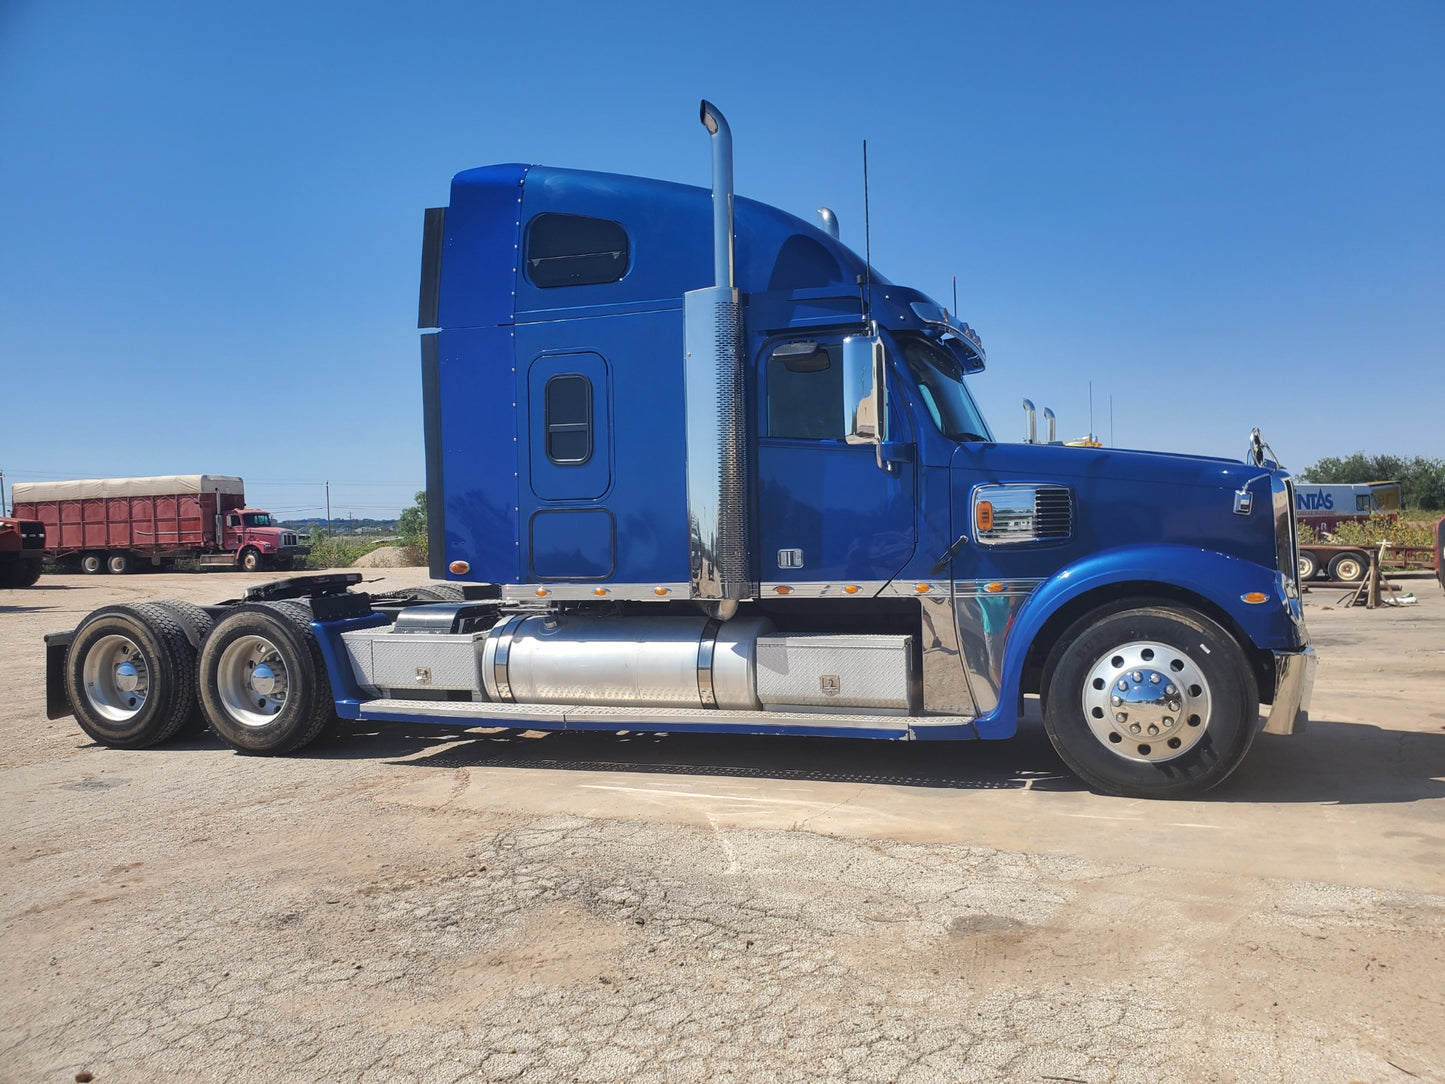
[{"x": 1294, "y": 681}]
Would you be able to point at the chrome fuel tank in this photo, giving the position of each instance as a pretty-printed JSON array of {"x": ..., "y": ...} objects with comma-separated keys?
[{"x": 680, "y": 662}]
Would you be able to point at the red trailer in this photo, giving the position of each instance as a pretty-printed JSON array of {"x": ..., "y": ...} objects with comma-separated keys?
[{"x": 113, "y": 524}]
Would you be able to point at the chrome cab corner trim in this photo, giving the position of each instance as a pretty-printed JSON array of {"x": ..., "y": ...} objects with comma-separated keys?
[
  {"x": 945, "y": 681},
  {"x": 1294, "y": 682}
]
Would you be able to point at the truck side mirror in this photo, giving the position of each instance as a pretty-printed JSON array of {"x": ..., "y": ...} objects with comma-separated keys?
[{"x": 865, "y": 393}]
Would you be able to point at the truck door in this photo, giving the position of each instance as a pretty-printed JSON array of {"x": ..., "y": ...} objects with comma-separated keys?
[{"x": 828, "y": 515}]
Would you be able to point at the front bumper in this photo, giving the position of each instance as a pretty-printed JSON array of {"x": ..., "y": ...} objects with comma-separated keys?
[{"x": 1294, "y": 681}]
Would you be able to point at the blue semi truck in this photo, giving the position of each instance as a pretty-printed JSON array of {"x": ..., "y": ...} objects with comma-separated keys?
[{"x": 692, "y": 465}]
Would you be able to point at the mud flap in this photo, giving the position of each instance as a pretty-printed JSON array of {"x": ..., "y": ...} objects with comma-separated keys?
[{"x": 57, "y": 646}]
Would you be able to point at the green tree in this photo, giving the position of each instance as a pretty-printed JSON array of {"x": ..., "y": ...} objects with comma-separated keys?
[
  {"x": 1422, "y": 481},
  {"x": 411, "y": 526}
]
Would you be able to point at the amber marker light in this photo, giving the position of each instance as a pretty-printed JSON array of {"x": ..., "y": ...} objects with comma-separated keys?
[
  {"x": 783, "y": 590},
  {"x": 851, "y": 589},
  {"x": 599, "y": 591},
  {"x": 983, "y": 515},
  {"x": 1254, "y": 598},
  {"x": 542, "y": 592},
  {"x": 459, "y": 568},
  {"x": 993, "y": 588},
  {"x": 922, "y": 588},
  {"x": 659, "y": 590}
]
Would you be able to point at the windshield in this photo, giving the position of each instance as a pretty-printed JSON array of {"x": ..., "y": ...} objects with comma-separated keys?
[
  {"x": 940, "y": 384},
  {"x": 257, "y": 519}
]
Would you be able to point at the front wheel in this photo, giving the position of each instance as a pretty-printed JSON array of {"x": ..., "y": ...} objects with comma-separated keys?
[
  {"x": 251, "y": 560},
  {"x": 1152, "y": 701}
]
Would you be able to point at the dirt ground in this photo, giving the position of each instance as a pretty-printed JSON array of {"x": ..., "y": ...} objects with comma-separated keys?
[{"x": 439, "y": 904}]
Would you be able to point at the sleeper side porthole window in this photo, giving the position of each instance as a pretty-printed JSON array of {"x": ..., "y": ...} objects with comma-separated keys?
[{"x": 568, "y": 418}]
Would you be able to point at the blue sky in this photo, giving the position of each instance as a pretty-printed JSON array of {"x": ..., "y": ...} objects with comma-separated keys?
[{"x": 1221, "y": 215}]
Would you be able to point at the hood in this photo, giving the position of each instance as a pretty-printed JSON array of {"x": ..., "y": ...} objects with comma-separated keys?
[{"x": 1127, "y": 497}]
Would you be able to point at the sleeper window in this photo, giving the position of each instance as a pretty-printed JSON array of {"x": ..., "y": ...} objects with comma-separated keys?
[
  {"x": 574, "y": 250},
  {"x": 568, "y": 418}
]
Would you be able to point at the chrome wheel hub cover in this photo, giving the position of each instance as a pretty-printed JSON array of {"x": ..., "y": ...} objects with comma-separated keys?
[
  {"x": 252, "y": 681},
  {"x": 116, "y": 677},
  {"x": 1146, "y": 701}
]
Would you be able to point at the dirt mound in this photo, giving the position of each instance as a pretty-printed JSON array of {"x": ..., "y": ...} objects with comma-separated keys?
[{"x": 383, "y": 557}]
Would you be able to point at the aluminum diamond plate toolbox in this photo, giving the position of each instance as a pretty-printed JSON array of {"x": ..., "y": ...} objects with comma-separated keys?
[
  {"x": 836, "y": 671},
  {"x": 413, "y": 661}
]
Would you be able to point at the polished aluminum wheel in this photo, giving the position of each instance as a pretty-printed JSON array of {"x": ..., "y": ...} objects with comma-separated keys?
[
  {"x": 1147, "y": 702},
  {"x": 252, "y": 681},
  {"x": 116, "y": 678}
]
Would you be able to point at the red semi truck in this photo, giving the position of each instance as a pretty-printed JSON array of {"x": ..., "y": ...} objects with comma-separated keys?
[
  {"x": 22, "y": 547},
  {"x": 115, "y": 524}
]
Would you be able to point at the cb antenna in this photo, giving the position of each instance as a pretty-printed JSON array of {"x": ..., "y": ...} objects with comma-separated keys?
[
  {"x": 867, "y": 244},
  {"x": 955, "y": 297}
]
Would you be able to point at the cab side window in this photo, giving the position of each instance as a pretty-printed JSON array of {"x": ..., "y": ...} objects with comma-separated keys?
[{"x": 804, "y": 390}]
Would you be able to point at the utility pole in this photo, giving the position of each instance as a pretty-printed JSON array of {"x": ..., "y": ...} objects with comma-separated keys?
[
  {"x": 2, "y": 494},
  {"x": 328, "y": 507}
]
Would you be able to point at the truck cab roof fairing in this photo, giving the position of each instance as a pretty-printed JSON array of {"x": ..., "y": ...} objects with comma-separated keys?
[{"x": 491, "y": 207}]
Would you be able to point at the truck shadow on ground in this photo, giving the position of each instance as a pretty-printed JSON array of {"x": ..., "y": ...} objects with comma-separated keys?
[
  {"x": 1330, "y": 763},
  {"x": 1028, "y": 761},
  {"x": 39, "y": 596}
]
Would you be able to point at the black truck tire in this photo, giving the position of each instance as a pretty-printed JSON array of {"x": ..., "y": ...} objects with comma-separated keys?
[
  {"x": 130, "y": 675},
  {"x": 197, "y": 625},
  {"x": 92, "y": 563},
  {"x": 118, "y": 563},
  {"x": 18, "y": 571},
  {"x": 251, "y": 560},
  {"x": 1151, "y": 700},
  {"x": 264, "y": 686}
]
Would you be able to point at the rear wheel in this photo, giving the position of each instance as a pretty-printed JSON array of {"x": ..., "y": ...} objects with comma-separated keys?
[
  {"x": 264, "y": 685},
  {"x": 197, "y": 625},
  {"x": 130, "y": 675},
  {"x": 91, "y": 563},
  {"x": 1153, "y": 701},
  {"x": 1349, "y": 567},
  {"x": 118, "y": 563},
  {"x": 1309, "y": 567}
]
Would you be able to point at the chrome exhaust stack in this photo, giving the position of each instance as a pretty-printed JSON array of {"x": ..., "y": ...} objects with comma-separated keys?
[
  {"x": 715, "y": 401},
  {"x": 722, "y": 193},
  {"x": 1031, "y": 424}
]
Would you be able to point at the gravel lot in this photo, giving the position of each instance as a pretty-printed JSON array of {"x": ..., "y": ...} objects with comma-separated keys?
[{"x": 431, "y": 904}]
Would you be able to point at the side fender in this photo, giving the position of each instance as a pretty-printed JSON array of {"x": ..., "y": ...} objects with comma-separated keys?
[{"x": 1217, "y": 577}]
